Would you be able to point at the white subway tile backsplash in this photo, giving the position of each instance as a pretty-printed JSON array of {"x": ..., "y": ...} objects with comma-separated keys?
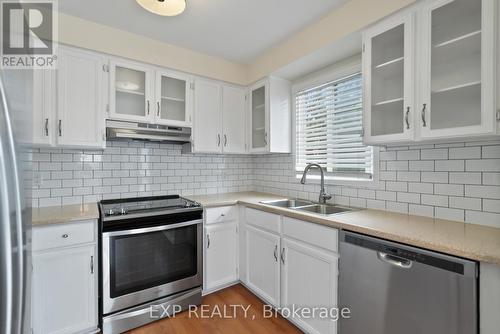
[
  {"x": 449, "y": 189},
  {"x": 490, "y": 152},
  {"x": 491, "y": 205},
  {"x": 449, "y": 214},
  {"x": 434, "y": 177},
  {"x": 465, "y": 178},
  {"x": 465, "y": 153},
  {"x": 422, "y": 165},
  {"x": 434, "y": 154},
  {"x": 450, "y": 165},
  {"x": 421, "y": 210},
  {"x": 482, "y": 191},
  {"x": 491, "y": 179},
  {"x": 434, "y": 200},
  {"x": 418, "y": 180},
  {"x": 483, "y": 165},
  {"x": 483, "y": 218},
  {"x": 465, "y": 203}
]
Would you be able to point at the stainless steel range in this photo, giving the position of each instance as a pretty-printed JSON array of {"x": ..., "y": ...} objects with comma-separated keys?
[{"x": 151, "y": 255}]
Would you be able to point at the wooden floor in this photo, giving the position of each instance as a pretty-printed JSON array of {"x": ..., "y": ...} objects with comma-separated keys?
[{"x": 254, "y": 323}]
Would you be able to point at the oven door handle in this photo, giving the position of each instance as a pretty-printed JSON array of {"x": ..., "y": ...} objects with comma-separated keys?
[{"x": 152, "y": 229}]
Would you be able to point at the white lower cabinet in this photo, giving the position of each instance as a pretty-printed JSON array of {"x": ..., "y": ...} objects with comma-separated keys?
[
  {"x": 221, "y": 255},
  {"x": 64, "y": 282},
  {"x": 263, "y": 267},
  {"x": 309, "y": 278},
  {"x": 292, "y": 264}
]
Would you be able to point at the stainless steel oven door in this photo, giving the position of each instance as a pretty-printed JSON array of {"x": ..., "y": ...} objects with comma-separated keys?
[{"x": 145, "y": 264}]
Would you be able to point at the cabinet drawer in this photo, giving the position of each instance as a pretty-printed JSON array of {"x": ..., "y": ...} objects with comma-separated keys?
[
  {"x": 314, "y": 234},
  {"x": 221, "y": 214},
  {"x": 262, "y": 219},
  {"x": 53, "y": 236}
]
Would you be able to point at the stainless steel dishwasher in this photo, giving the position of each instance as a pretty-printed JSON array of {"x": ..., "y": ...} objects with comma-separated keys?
[{"x": 392, "y": 288}]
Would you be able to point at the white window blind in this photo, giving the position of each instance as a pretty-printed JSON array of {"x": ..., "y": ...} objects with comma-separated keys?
[{"x": 329, "y": 129}]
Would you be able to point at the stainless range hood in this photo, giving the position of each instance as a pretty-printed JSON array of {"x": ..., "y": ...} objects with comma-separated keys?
[{"x": 150, "y": 132}]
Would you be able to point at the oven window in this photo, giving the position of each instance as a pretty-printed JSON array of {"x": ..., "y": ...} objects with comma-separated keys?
[{"x": 142, "y": 261}]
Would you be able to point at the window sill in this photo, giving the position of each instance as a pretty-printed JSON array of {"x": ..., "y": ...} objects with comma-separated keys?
[{"x": 340, "y": 181}]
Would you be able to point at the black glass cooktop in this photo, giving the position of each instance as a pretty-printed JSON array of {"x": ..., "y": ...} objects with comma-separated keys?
[{"x": 123, "y": 207}]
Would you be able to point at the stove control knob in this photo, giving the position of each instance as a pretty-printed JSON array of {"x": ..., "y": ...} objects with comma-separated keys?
[
  {"x": 123, "y": 211},
  {"x": 111, "y": 212}
]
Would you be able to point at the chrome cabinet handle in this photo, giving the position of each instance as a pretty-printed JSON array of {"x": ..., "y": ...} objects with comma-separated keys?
[
  {"x": 147, "y": 102},
  {"x": 222, "y": 214},
  {"x": 60, "y": 128},
  {"x": 283, "y": 255},
  {"x": 46, "y": 127},
  {"x": 424, "y": 122},
  {"x": 218, "y": 140},
  {"x": 225, "y": 140},
  {"x": 92, "y": 264},
  {"x": 158, "y": 109},
  {"x": 208, "y": 241},
  {"x": 394, "y": 260},
  {"x": 276, "y": 253},
  {"x": 265, "y": 138},
  {"x": 407, "y": 117},
  {"x": 65, "y": 236}
]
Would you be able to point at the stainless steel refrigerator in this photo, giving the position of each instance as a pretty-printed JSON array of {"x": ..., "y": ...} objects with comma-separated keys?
[{"x": 15, "y": 213}]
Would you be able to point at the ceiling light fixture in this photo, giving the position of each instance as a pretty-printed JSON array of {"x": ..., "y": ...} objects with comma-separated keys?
[{"x": 164, "y": 7}]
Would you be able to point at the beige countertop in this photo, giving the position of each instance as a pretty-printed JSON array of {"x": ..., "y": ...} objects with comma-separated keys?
[
  {"x": 470, "y": 241},
  {"x": 63, "y": 214}
]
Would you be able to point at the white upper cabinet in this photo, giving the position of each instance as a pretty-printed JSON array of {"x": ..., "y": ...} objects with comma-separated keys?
[
  {"x": 207, "y": 117},
  {"x": 388, "y": 77},
  {"x": 457, "y": 61},
  {"x": 80, "y": 103},
  {"x": 449, "y": 53},
  {"x": 233, "y": 119},
  {"x": 131, "y": 93},
  {"x": 143, "y": 93},
  {"x": 218, "y": 118},
  {"x": 172, "y": 104},
  {"x": 270, "y": 116}
]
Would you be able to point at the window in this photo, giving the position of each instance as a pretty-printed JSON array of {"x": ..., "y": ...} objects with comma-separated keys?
[{"x": 329, "y": 129}]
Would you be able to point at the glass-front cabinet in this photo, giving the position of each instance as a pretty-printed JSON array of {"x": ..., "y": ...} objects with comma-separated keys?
[
  {"x": 458, "y": 72},
  {"x": 259, "y": 115},
  {"x": 429, "y": 73},
  {"x": 147, "y": 94},
  {"x": 131, "y": 92},
  {"x": 172, "y": 99},
  {"x": 388, "y": 71}
]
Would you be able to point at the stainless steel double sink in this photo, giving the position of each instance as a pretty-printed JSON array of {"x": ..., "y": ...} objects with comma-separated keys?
[{"x": 308, "y": 206}]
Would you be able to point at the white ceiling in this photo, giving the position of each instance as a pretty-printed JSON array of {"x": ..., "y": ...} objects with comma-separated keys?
[{"x": 237, "y": 30}]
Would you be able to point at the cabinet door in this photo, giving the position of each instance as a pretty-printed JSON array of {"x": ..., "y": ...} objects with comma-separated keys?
[
  {"x": 457, "y": 81},
  {"x": 263, "y": 267},
  {"x": 64, "y": 291},
  {"x": 259, "y": 118},
  {"x": 172, "y": 99},
  {"x": 388, "y": 81},
  {"x": 221, "y": 255},
  {"x": 309, "y": 278},
  {"x": 207, "y": 117},
  {"x": 131, "y": 92},
  {"x": 44, "y": 107},
  {"x": 233, "y": 119},
  {"x": 80, "y": 99}
]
